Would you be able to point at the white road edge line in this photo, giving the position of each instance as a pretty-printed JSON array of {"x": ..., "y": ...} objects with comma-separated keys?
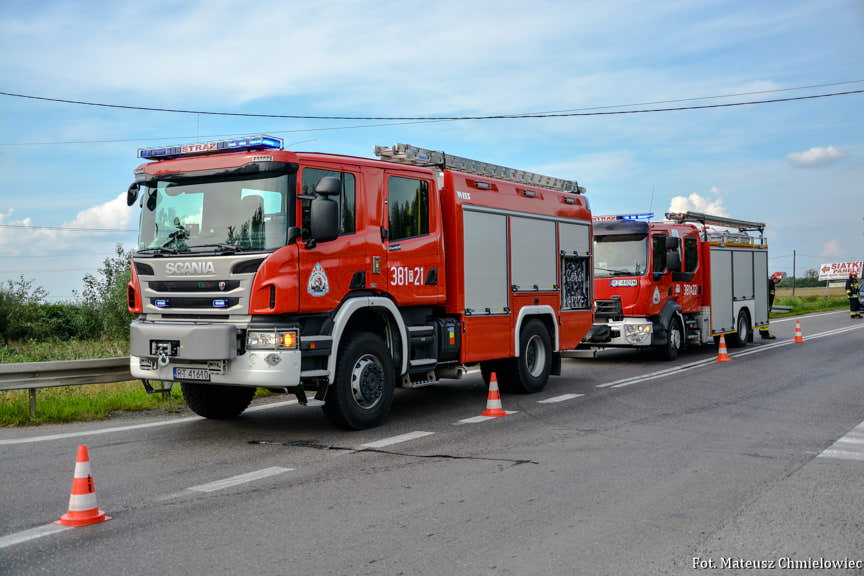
[
  {"x": 240, "y": 479},
  {"x": 31, "y": 534},
  {"x": 66, "y": 435},
  {"x": 707, "y": 362}
]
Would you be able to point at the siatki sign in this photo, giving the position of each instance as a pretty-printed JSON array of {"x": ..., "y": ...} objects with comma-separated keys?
[{"x": 840, "y": 270}]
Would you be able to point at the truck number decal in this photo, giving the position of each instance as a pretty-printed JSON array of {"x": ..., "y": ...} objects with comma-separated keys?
[
  {"x": 691, "y": 290},
  {"x": 405, "y": 276}
]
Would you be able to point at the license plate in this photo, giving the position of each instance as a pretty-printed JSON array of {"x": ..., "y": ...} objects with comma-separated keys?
[{"x": 197, "y": 374}]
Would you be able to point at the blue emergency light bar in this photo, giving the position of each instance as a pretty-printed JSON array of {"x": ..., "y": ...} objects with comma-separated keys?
[
  {"x": 218, "y": 146},
  {"x": 642, "y": 216}
]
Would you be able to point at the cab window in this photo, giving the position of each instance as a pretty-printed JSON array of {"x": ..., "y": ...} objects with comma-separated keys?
[
  {"x": 691, "y": 254},
  {"x": 311, "y": 177},
  {"x": 409, "y": 207},
  {"x": 659, "y": 254}
]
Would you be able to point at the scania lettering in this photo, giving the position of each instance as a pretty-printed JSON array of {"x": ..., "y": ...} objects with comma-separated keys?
[
  {"x": 687, "y": 280},
  {"x": 190, "y": 268},
  {"x": 338, "y": 279}
]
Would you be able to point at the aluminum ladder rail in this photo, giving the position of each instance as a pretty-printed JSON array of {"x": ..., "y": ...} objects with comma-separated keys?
[{"x": 408, "y": 154}]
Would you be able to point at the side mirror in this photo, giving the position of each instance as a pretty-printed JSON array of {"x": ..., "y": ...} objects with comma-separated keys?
[
  {"x": 673, "y": 261},
  {"x": 151, "y": 200},
  {"x": 672, "y": 243},
  {"x": 323, "y": 219},
  {"x": 132, "y": 193}
]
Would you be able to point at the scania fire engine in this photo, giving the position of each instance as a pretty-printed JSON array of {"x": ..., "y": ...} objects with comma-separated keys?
[
  {"x": 687, "y": 280},
  {"x": 339, "y": 278}
]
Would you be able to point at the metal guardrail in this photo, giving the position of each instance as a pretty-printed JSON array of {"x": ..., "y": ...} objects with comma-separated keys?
[{"x": 34, "y": 375}]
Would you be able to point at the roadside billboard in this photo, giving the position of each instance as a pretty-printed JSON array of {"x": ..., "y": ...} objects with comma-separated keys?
[{"x": 840, "y": 270}]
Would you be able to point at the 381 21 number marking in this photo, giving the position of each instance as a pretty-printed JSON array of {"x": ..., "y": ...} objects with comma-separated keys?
[{"x": 406, "y": 276}]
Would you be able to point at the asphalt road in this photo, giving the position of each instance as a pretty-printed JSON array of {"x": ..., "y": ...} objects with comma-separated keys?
[{"x": 623, "y": 465}]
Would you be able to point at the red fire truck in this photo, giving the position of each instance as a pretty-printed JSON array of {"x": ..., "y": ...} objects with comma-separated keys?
[
  {"x": 346, "y": 277},
  {"x": 689, "y": 279}
]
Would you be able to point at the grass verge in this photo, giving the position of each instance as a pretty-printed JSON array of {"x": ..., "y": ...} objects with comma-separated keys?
[{"x": 83, "y": 403}]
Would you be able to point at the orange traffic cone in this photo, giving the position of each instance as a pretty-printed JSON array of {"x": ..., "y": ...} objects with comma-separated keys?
[
  {"x": 798, "y": 336},
  {"x": 493, "y": 401},
  {"x": 722, "y": 356},
  {"x": 83, "y": 510}
]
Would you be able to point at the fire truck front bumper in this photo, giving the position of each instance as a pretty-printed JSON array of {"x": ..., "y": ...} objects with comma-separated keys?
[
  {"x": 208, "y": 354},
  {"x": 627, "y": 332}
]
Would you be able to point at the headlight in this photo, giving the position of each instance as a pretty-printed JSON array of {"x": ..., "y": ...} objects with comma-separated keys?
[
  {"x": 271, "y": 340},
  {"x": 639, "y": 334}
]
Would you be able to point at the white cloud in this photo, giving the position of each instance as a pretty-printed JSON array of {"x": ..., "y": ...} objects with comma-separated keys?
[
  {"x": 694, "y": 202},
  {"x": 815, "y": 157},
  {"x": 831, "y": 249},
  {"x": 25, "y": 239},
  {"x": 114, "y": 214}
]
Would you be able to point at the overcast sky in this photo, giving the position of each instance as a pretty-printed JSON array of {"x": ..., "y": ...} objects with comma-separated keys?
[{"x": 796, "y": 165}]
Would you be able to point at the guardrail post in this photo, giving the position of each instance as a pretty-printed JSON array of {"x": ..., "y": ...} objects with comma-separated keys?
[{"x": 32, "y": 402}]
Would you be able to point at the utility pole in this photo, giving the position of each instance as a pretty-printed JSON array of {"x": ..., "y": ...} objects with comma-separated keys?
[{"x": 794, "y": 273}]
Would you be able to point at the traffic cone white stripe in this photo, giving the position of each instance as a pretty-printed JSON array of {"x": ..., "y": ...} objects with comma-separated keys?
[
  {"x": 82, "y": 470},
  {"x": 81, "y": 502}
]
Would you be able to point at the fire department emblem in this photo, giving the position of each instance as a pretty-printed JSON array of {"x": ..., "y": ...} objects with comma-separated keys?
[{"x": 318, "y": 284}]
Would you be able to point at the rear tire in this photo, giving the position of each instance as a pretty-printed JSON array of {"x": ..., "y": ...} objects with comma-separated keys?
[
  {"x": 362, "y": 393},
  {"x": 743, "y": 332},
  {"x": 529, "y": 372},
  {"x": 215, "y": 401}
]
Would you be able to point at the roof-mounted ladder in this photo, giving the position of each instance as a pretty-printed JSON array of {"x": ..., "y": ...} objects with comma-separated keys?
[
  {"x": 407, "y": 154},
  {"x": 709, "y": 220}
]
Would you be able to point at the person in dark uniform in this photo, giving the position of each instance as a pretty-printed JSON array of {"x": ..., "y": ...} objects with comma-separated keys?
[
  {"x": 773, "y": 280},
  {"x": 853, "y": 292}
]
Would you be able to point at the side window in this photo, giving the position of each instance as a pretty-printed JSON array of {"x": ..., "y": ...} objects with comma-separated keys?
[
  {"x": 691, "y": 254},
  {"x": 409, "y": 207},
  {"x": 311, "y": 177},
  {"x": 659, "y": 253}
]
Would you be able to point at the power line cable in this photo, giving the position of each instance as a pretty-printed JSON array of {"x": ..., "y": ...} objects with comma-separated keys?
[
  {"x": 431, "y": 118},
  {"x": 554, "y": 113}
]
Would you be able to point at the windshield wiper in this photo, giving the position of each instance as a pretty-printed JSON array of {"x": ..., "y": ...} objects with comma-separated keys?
[
  {"x": 158, "y": 250},
  {"x": 221, "y": 247},
  {"x": 618, "y": 272}
]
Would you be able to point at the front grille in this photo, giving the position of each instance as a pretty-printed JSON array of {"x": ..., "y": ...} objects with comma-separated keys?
[
  {"x": 608, "y": 309},
  {"x": 194, "y": 285}
]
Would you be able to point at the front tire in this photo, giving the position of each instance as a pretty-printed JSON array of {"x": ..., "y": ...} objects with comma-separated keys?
[
  {"x": 215, "y": 401},
  {"x": 529, "y": 372},
  {"x": 362, "y": 393},
  {"x": 674, "y": 340}
]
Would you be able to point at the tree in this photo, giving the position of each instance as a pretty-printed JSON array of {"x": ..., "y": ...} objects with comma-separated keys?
[
  {"x": 20, "y": 305},
  {"x": 105, "y": 294}
]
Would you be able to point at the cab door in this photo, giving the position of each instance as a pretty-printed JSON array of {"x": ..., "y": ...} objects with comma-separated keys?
[
  {"x": 414, "y": 244},
  {"x": 330, "y": 270}
]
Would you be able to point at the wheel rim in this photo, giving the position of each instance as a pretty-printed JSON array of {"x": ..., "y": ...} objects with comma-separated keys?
[
  {"x": 367, "y": 381},
  {"x": 742, "y": 328},
  {"x": 535, "y": 356},
  {"x": 675, "y": 337}
]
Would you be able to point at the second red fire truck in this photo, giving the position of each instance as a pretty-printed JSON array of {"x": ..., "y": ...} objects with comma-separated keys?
[
  {"x": 689, "y": 279},
  {"x": 341, "y": 277}
]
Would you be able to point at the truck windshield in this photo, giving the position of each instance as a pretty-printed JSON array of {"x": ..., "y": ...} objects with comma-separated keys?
[
  {"x": 624, "y": 255},
  {"x": 217, "y": 215}
]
